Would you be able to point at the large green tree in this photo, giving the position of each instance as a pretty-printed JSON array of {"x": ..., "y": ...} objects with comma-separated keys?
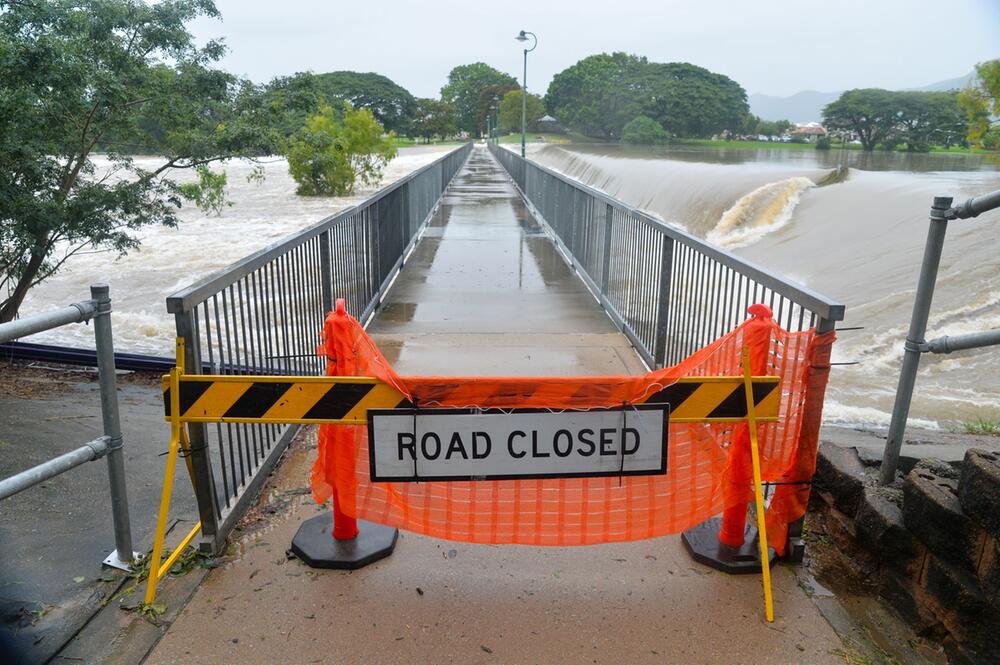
[
  {"x": 465, "y": 83},
  {"x": 75, "y": 75},
  {"x": 433, "y": 118},
  {"x": 981, "y": 103},
  {"x": 601, "y": 93},
  {"x": 870, "y": 113},
  {"x": 597, "y": 95},
  {"x": 391, "y": 104},
  {"x": 510, "y": 111},
  {"x": 691, "y": 101},
  {"x": 889, "y": 118}
]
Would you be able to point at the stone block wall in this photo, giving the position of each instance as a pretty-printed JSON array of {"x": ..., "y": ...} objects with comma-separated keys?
[{"x": 929, "y": 545}]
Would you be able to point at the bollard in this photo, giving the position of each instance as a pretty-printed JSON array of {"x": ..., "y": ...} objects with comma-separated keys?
[
  {"x": 343, "y": 542},
  {"x": 721, "y": 543}
]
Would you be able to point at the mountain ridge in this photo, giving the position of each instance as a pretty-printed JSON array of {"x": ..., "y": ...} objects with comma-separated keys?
[{"x": 807, "y": 105}]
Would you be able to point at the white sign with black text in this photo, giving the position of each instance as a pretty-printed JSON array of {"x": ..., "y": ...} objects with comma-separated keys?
[{"x": 493, "y": 444}]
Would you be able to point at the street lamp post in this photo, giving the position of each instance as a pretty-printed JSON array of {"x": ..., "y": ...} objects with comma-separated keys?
[{"x": 523, "y": 37}]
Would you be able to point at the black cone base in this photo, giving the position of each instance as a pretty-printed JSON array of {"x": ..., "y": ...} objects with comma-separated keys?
[
  {"x": 315, "y": 545},
  {"x": 702, "y": 543}
]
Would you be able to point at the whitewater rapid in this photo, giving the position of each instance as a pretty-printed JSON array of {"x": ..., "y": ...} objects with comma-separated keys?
[
  {"x": 859, "y": 241},
  {"x": 171, "y": 258}
]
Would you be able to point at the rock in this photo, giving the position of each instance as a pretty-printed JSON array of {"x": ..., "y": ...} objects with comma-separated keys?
[
  {"x": 931, "y": 511},
  {"x": 880, "y": 529},
  {"x": 840, "y": 472},
  {"x": 979, "y": 488},
  {"x": 989, "y": 570},
  {"x": 959, "y": 602},
  {"x": 907, "y": 598}
]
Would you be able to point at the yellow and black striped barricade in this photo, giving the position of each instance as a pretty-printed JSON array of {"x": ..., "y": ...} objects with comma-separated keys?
[{"x": 346, "y": 400}]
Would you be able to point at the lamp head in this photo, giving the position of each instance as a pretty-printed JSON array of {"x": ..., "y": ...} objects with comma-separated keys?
[{"x": 521, "y": 37}]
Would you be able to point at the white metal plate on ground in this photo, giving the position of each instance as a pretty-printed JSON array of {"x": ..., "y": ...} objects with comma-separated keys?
[{"x": 475, "y": 444}]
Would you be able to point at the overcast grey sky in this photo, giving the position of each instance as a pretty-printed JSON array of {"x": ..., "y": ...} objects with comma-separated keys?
[{"x": 775, "y": 47}]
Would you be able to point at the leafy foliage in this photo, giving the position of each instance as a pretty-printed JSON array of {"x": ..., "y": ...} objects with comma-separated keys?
[
  {"x": 73, "y": 77},
  {"x": 888, "y": 118},
  {"x": 644, "y": 131},
  {"x": 601, "y": 93},
  {"x": 209, "y": 193},
  {"x": 391, "y": 104},
  {"x": 981, "y": 104},
  {"x": 510, "y": 111},
  {"x": 336, "y": 150},
  {"x": 465, "y": 83},
  {"x": 433, "y": 119}
]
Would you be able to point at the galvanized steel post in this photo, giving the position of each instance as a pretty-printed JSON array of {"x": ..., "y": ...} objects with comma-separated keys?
[
  {"x": 123, "y": 553},
  {"x": 915, "y": 337}
]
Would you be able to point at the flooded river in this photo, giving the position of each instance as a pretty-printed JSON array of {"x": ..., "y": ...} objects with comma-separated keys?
[
  {"x": 859, "y": 241},
  {"x": 171, "y": 259}
]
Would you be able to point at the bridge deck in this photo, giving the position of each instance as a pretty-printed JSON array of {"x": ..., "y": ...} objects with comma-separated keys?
[{"x": 486, "y": 293}]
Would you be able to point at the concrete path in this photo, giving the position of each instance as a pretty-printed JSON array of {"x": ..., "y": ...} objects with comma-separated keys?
[
  {"x": 53, "y": 537},
  {"x": 486, "y": 293}
]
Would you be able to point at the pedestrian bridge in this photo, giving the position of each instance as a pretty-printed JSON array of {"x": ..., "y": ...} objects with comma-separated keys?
[{"x": 481, "y": 263}]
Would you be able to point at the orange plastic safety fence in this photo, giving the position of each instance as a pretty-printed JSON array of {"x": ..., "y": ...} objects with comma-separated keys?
[{"x": 580, "y": 511}]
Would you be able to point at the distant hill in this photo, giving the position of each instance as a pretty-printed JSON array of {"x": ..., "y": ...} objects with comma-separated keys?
[{"x": 807, "y": 106}]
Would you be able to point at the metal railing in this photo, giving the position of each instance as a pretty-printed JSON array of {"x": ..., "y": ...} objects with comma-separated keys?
[
  {"x": 264, "y": 315},
  {"x": 112, "y": 443},
  {"x": 668, "y": 291},
  {"x": 941, "y": 213}
]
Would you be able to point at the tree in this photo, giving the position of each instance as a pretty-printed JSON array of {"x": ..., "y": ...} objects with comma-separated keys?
[
  {"x": 463, "y": 87},
  {"x": 391, "y": 104},
  {"x": 510, "y": 111},
  {"x": 336, "y": 150},
  {"x": 291, "y": 99},
  {"x": 74, "y": 76},
  {"x": 490, "y": 96},
  {"x": 644, "y": 131},
  {"x": 209, "y": 193},
  {"x": 691, "y": 101},
  {"x": 981, "y": 104},
  {"x": 869, "y": 112},
  {"x": 600, "y": 93},
  {"x": 433, "y": 119},
  {"x": 597, "y": 95},
  {"x": 927, "y": 118}
]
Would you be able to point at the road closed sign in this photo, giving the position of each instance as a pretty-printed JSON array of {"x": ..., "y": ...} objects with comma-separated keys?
[{"x": 407, "y": 445}]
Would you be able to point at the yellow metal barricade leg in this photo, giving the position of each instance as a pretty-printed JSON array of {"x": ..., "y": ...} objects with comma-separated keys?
[
  {"x": 758, "y": 488},
  {"x": 178, "y": 440}
]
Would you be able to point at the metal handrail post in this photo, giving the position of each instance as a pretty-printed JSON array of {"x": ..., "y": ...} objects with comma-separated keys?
[
  {"x": 123, "y": 554},
  {"x": 915, "y": 337}
]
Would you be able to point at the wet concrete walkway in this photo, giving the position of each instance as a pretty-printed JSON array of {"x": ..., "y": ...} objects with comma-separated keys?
[{"x": 486, "y": 293}]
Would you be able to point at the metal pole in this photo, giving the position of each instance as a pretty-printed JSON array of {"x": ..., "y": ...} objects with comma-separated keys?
[
  {"x": 112, "y": 426},
  {"x": 39, "y": 474},
  {"x": 524, "y": 102},
  {"x": 950, "y": 343},
  {"x": 29, "y": 325},
  {"x": 915, "y": 337}
]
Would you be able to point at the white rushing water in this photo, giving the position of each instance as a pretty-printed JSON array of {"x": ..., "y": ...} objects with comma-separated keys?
[
  {"x": 170, "y": 259},
  {"x": 859, "y": 241}
]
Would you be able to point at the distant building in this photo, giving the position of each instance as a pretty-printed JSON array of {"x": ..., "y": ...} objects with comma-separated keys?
[
  {"x": 548, "y": 124},
  {"x": 809, "y": 130}
]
